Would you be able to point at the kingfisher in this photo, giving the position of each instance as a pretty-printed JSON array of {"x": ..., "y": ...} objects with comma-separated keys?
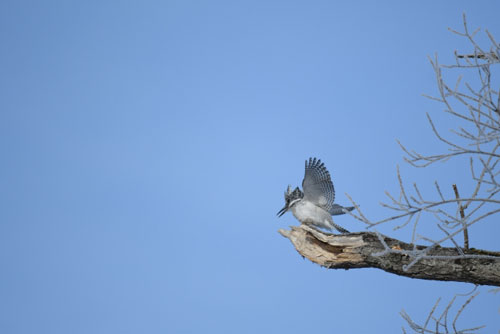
[{"x": 315, "y": 205}]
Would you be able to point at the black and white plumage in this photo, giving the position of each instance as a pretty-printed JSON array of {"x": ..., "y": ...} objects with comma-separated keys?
[{"x": 315, "y": 205}]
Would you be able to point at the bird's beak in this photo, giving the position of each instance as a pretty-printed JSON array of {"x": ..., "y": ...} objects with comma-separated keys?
[{"x": 282, "y": 211}]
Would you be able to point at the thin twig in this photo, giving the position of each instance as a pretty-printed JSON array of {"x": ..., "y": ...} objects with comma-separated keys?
[{"x": 462, "y": 215}]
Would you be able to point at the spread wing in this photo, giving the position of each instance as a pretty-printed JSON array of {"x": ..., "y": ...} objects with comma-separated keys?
[{"x": 317, "y": 185}]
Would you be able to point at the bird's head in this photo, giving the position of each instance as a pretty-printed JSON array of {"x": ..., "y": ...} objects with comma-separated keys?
[{"x": 291, "y": 198}]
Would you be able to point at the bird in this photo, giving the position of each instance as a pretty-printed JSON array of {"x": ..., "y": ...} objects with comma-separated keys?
[{"x": 315, "y": 204}]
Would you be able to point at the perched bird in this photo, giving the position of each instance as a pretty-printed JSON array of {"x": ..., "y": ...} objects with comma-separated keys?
[{"x": 315, "y": 205}]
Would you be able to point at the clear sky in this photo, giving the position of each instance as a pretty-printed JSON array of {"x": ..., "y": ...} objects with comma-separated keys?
[{"x": 145, "y": 147}]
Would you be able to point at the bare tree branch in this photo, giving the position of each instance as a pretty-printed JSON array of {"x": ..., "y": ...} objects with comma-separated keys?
[
  {"x": 441, "y": 323},
  {"x": 373, "y": 250},
  {"x": 462, "y": 215}
]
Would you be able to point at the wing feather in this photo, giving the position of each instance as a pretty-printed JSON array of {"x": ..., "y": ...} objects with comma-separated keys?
[{"x": 317, "y": 185}]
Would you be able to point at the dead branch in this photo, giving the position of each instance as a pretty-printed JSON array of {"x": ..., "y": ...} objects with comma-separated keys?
[{"x": 370, "y": 250}]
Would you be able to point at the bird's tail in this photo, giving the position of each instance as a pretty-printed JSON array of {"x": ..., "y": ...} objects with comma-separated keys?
[{"x": 340, "y": 210}]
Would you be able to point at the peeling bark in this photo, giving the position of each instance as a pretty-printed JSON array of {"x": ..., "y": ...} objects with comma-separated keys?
[{"x": 355, "y": 250}]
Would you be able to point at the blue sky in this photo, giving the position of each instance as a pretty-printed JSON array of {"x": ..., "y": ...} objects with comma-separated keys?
[{"x": 146, "y": 146}]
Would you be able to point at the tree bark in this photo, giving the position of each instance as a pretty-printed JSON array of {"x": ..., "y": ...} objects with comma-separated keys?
[{"x": 356, "y": 250}]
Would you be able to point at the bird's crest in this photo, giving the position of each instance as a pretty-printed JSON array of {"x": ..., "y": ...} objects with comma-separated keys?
[{"x": 293, "y": 195}]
